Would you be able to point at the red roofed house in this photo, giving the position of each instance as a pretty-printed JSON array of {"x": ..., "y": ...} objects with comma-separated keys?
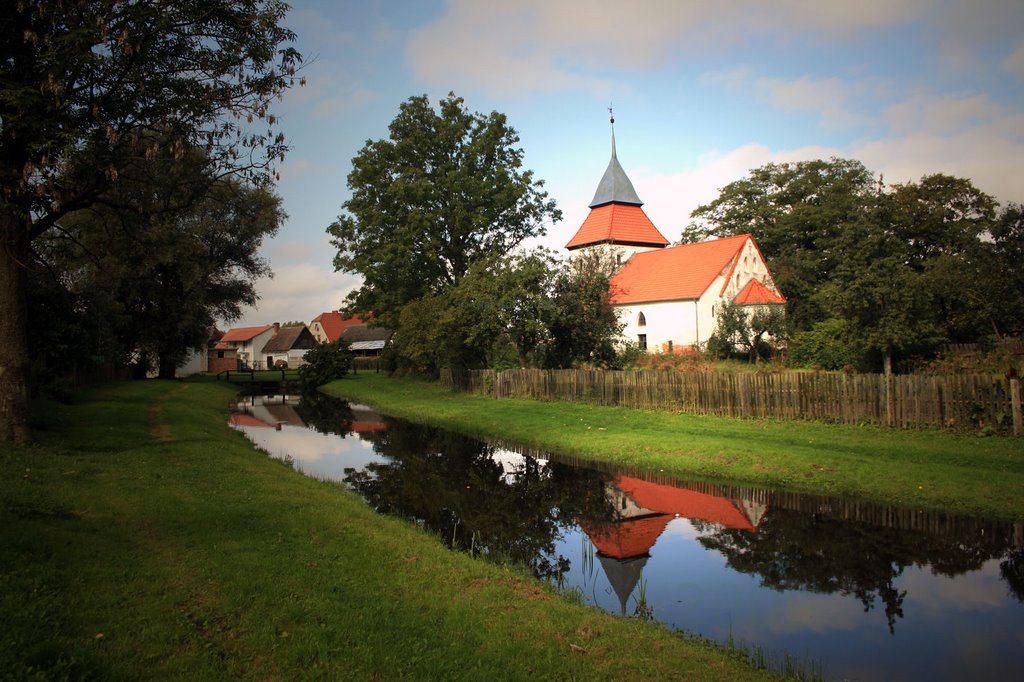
[
  {"x": 243, "y": 345},
  {"x": 328, "y": 327},
  {"x": 668, "y": 296}
]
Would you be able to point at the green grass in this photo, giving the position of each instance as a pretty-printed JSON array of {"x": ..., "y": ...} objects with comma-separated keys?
[
  {"x": 144, "y": 538},
  {"x": 927, "y": 468}
]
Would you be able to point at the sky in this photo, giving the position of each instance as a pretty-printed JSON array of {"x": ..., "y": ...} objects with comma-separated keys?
[{"x": 702, "y": 93}]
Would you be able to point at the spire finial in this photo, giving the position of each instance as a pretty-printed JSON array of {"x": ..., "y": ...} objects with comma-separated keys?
[{"x": 611, "y": 119}]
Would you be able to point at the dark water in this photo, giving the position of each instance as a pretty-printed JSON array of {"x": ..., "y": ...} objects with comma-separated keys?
[{"x": 863, "y": 591}]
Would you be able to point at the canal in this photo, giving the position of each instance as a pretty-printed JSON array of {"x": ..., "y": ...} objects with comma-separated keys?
[{"x": 856, "y": 590}]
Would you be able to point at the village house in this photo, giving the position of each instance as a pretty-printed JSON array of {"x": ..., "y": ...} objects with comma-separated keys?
[
  {"x": 287, "y": 348},
  {"x": 364, "y": 339},
  {"x": 241, "y": 347},
  {"x": 668, "y": 297},
  {"x": 328, "y": 327}
]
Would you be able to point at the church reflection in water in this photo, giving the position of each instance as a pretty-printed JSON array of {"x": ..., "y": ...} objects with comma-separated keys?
[{"x": 643, "y": 511}]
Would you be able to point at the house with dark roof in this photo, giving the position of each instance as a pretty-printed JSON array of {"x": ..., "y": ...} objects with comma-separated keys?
[
  {"x": 288, "y": 346},
  {"x": 668, "y": 296},
  {"x": 366, "y": 341}
]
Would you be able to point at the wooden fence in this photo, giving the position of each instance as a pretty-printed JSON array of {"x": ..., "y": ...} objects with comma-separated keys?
[{"x": 903, "y": 401}]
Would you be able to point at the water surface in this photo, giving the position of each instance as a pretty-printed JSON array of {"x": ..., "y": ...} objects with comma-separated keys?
[{"x": 867, "y": 592}]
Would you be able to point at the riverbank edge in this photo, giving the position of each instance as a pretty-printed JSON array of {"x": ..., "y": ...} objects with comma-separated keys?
[
  {"x": 145, "y": 538},
  {"x": 926, "y": 469}
]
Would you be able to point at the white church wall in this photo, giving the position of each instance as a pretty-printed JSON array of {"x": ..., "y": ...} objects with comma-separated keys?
[{"x": 684, "y": 323}]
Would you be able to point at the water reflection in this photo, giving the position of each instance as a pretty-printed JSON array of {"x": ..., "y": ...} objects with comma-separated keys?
[{"x": 871, "y": 592}]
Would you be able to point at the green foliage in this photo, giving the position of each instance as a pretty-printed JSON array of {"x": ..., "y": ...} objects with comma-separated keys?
[
  {"x": 509, "y": 298},
  {"x": 795, "y": 211},
  {"x": 168, "y": 251},
  {"x": 325, "y": 362},
  {"x": 444, "y": 191},
  {"x": 906, "y": 268},
  {"x": 86, "y": 83},
  {"x": 755, "y": 332},
  {"x": 519, "y": 310},
  {"x": 585, "y": 328},
  {"x": 831, "y": 344}
]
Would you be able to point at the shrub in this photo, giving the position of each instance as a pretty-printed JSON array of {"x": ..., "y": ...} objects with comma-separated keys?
[
  {"x": 324, "y": 363},
  {"x": 830, "y": 344}
]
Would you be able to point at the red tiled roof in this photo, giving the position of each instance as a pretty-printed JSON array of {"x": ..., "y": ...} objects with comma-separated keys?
[
  {"x": 241, "y": 419},
  {"x": 334, "y": 324},
  {"x": 628, "y": 539},
  {"x": 757, "y": 293},
  {"x": 243, "y": 333},
  {"x": 676, "y": 273},
  {"x": 368, "y": 427},
  {"x": 689, "y": 504},
  {"x": 619, "y": 223}
]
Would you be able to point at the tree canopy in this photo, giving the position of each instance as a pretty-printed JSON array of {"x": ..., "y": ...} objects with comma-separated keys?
[
  {"x": 85, "y": 83},
  {"x": 445, "y": 190},
  {"x": 165, "y": 253},
  {"x": 899, "y": 269}
]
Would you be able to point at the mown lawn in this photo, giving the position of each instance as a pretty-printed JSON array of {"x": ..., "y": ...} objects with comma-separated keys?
[
  {"x": 926, "y": 468},
  {"x": 142, "y": 537}
]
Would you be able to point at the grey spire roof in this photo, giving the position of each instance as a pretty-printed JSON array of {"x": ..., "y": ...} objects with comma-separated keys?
[{"x": 615, "y": 186}]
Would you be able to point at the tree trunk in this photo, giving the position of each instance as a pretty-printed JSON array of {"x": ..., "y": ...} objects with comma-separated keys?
[
  {"x": 167, "y": 369},
  {"x": 14, "y": 256}
]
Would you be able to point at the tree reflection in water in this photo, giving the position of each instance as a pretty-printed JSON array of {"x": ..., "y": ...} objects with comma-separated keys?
[
  {"x": 460, "y": 489},
  {"x": 796, "y": 551}
]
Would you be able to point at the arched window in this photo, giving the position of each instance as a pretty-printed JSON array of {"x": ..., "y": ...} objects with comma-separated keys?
[{"x": 641, "y": 321}]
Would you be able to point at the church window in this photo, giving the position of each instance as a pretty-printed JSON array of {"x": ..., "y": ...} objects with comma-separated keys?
[
  {"x": 642, "y": 341},
  {"x": 641, "y": 321}
]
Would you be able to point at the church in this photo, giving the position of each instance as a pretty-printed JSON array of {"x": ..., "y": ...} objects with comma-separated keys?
[{"x": 668, "y": 296}]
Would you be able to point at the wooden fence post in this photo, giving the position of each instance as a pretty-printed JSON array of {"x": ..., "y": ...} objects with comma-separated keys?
[{"x": 1018, "y": 427}]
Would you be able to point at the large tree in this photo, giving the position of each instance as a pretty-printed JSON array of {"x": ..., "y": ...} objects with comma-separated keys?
[
  {"x": 796, "y": 212},
  {"x": 444, "y": 190},
  {"x": 77, "y": 79},
  {"x": 900, "y": 268},
  {"x": 161, "y": 256}
]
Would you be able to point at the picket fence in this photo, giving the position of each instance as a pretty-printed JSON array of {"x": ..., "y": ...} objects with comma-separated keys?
[{"x": 902, "y": 401}]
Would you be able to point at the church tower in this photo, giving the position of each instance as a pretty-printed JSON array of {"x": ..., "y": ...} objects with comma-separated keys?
[{"x": 616, "y": 222}]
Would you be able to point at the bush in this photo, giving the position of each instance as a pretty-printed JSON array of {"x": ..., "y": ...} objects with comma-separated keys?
[
  {"x": 324, "y": 363},
  {"x": 830, "y": 344}
]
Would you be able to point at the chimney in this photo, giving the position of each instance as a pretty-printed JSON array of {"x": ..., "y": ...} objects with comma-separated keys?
[{"x": 277, "y": 327}]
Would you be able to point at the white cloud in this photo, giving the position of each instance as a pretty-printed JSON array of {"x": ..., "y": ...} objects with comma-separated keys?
[
  {"x": 538, "y": 44},
  {"x": 356, "y": 98},
  {"x": 965, "y": 135},
  {"x": 817, "y": 613},
  {"x": 1015, "y": 62},
  {"x": 297, "y": 167},
  {"x": 832, "y": 98},
  {"x": 671, "y": 197},
  {"x": 298, "y": 292},
  {"x": 294, "y": 249}
]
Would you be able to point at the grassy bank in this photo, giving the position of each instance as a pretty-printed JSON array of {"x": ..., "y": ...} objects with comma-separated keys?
[
  {"x": 144, "y": 538},
  {"x": 929, "y": 468}
]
